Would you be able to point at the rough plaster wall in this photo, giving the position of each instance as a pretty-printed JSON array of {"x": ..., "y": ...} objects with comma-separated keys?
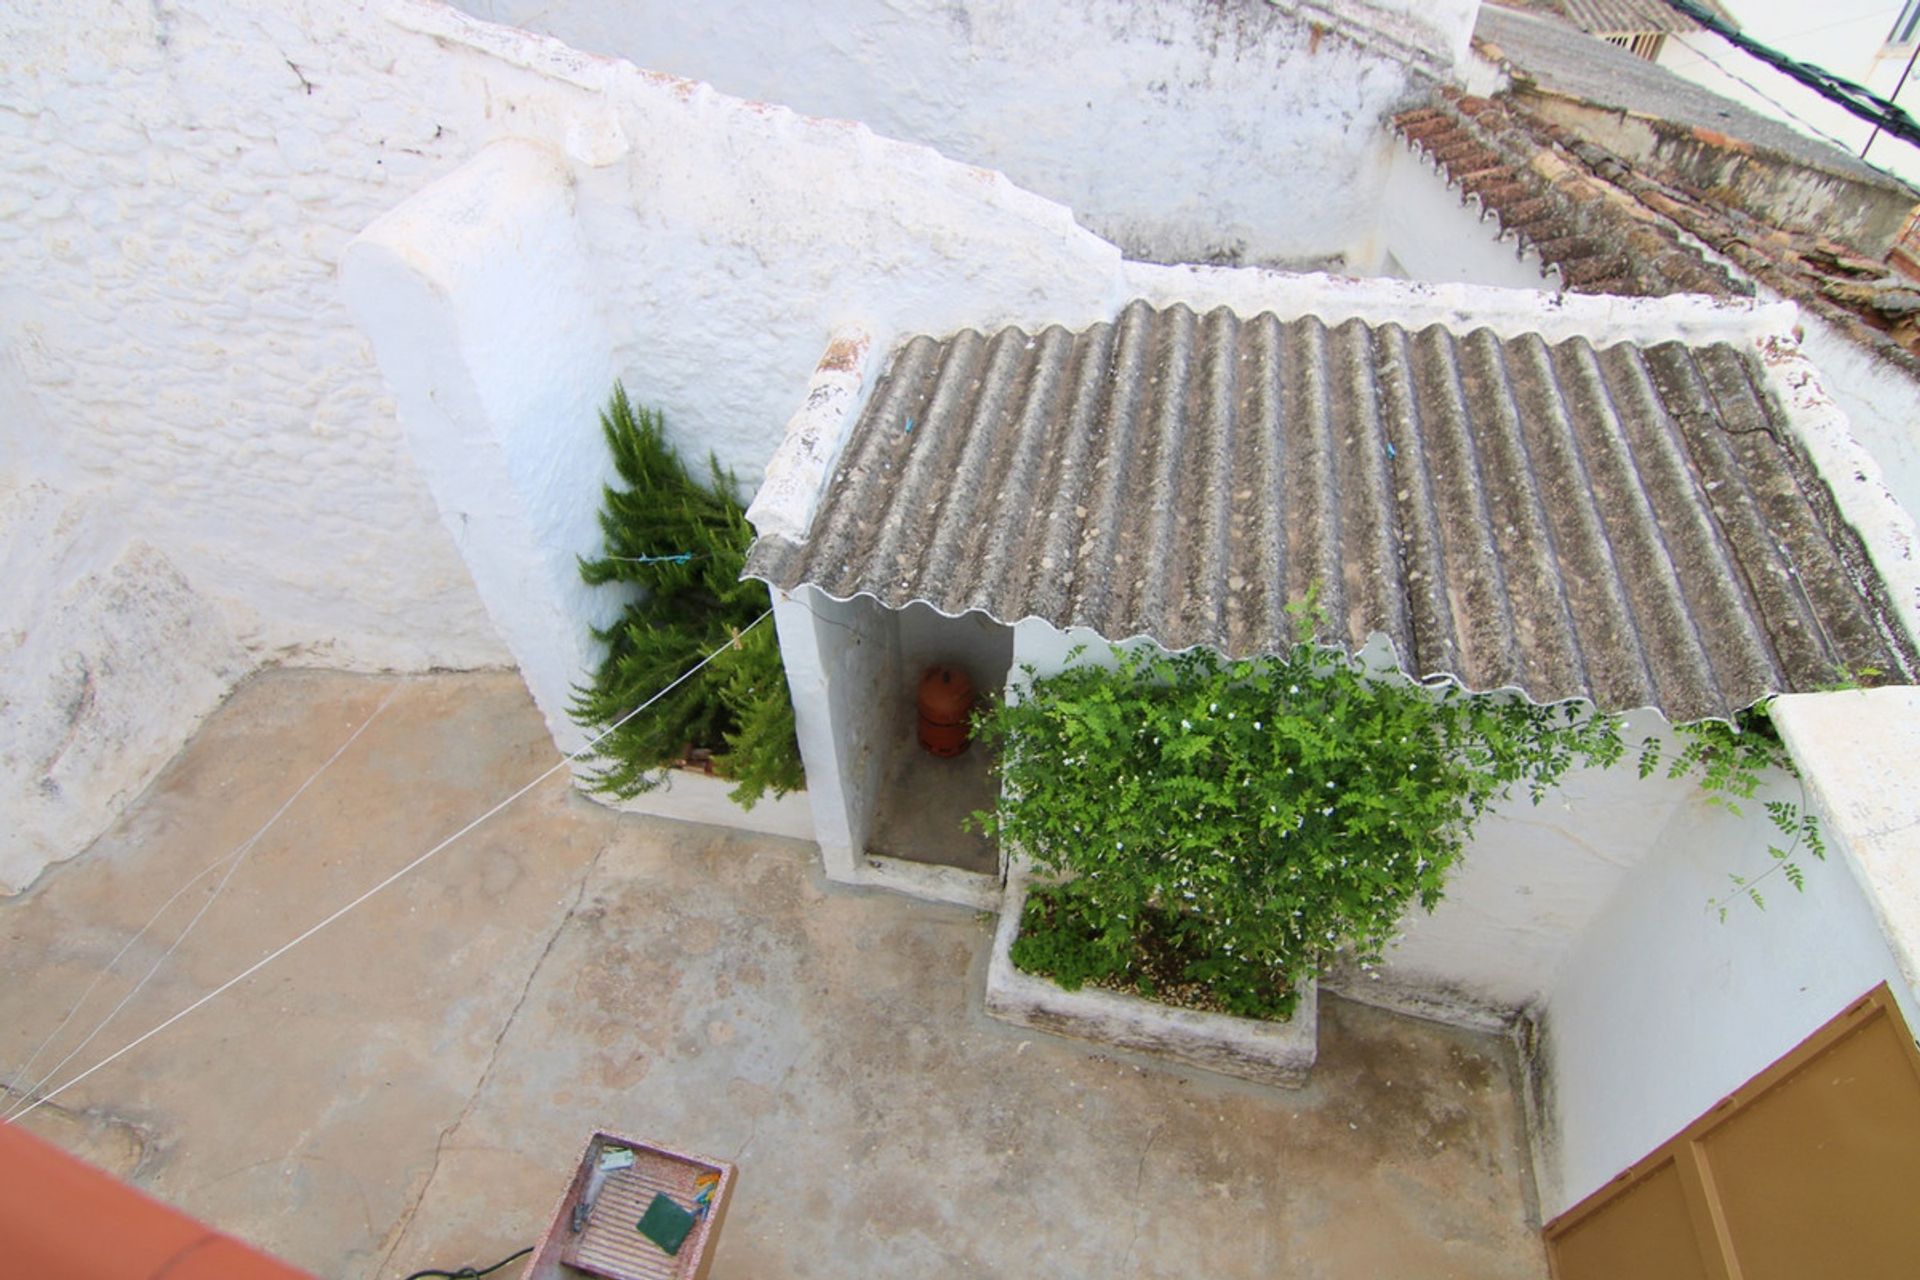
[
  {"x": 1532, "y": 881},
  {"x": 1183, "y": 130},
  {"x": 107, "y": 662},
  {"x": 842, "y": 662},
  {"x": 1662, "y": 1009},
  {"x": 176, "y": 181}
]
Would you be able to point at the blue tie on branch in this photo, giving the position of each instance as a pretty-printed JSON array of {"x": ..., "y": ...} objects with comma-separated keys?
[{"x": 1857, "y": 99}]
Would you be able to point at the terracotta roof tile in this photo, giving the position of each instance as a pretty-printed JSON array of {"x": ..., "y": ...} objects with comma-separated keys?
[{"x": 1607, "y": 228}]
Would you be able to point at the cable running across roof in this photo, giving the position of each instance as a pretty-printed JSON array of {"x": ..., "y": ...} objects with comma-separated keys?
[{"x": 1861, "y": 101}]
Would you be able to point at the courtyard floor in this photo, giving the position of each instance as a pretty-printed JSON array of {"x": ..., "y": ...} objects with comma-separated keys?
[{"x": 411, "y": 1087}]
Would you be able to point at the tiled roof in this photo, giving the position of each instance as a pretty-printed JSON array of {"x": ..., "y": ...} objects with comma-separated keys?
[
  {"x": 1494, "y": 150},
  {"x": 1628, "y": 525},
  {"x": 1609, "y": 228}
]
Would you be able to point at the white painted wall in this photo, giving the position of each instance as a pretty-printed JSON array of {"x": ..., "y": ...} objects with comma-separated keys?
[
  {"x": 1236, "y": 130},
  {"x": 1848, "y": 38},
  {"x": 1881, "y": 401},
  {"x": 173, "y": 196},
  {"x": 1428, "y": 231},
  {"x": 842, "y": 663},
  {"x": 107, "y": 660},
  {"x": 1661, "y": 1009},
  {"x": 976, "y": 643},
  {"x": 500, "y": 362}
]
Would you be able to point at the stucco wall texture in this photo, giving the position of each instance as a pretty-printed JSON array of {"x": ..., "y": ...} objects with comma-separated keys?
[
  {"x": 1228, "y": 131},
  {"x": 177, "y": 181}
]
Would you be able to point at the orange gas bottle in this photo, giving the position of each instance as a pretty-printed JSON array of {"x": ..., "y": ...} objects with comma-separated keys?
[{"x": 946, "y": 706}]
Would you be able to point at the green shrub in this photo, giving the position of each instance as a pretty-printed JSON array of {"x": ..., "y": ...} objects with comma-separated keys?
[
  {"x": 1256, "y": 816},
  {"x": 682, "y": 541}
]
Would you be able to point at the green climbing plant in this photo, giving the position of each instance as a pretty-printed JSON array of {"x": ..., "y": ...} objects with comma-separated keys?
[
  {"x": 1225, "y": 828},
  {"x": 678, "y": 541},
  {"x": 1233, "y": 825},
  {"x": 1729, "y": 763}
]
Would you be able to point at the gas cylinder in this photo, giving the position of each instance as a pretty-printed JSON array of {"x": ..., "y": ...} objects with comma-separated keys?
[{"x": 946, "y": 706}]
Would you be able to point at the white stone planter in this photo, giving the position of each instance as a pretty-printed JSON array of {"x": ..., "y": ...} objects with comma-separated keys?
[
  {"x": 697, "y": 797},
  {"x": 1278, "y": 1053}
]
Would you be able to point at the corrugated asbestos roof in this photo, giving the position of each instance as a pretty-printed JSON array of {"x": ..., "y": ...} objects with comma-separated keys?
[
  {"x": 1624, "y": 524},
  {"x": 1626, "y": 17}
]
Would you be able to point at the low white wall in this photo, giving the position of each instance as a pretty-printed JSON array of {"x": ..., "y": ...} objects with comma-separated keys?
[
  {"x": 1236, "y": 130},
  {"x": 1661, "y": 1009},
  {"x": 842, "y": 664},
  {"x": 1533, "y": 880},
  {"x": 1428, "y": 231},
  {"x": 108, "y": 661},
  {"x": 1881, "y": 401},
  {"x": 500, "y": 362}
]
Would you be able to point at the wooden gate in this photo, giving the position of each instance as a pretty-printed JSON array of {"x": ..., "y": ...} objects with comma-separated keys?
[{"x": 1812, "y": 1168}]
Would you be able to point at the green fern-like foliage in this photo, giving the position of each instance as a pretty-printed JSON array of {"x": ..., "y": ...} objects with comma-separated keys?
[{"x": 682, "y": 540}]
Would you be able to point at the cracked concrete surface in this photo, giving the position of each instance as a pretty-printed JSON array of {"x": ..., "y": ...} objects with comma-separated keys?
[{"x": 410, "y": 1088}]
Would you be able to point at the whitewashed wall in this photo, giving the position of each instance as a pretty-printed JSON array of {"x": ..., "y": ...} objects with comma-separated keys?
[
  {"x": 199, "y": 469},
  {"x": 1235, "y": 130},
  {"x": 1881, "y": 401},
  {"x": 1661, "y": 1009},
  {"x": 842, "y": 664},
  {"x": 175, "y": 185}
]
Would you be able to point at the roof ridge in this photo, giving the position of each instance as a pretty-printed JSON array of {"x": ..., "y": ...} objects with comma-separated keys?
[{"x": 1569, "y": 198}]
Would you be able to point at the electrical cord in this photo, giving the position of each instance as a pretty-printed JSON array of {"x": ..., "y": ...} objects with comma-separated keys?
[
  {"x": 468, "y": 1273},
  {"x": 1857, "y": 99}
]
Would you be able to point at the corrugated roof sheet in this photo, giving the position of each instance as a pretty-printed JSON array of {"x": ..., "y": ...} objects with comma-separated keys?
[
  {"x": 1625, "y": 524},
  {"x": 1626, "y": 17}
]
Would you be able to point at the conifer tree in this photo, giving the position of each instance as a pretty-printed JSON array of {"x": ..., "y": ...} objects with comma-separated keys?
[{"x": 682, "y": 541}]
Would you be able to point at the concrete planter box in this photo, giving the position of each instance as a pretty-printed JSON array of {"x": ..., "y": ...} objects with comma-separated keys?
[
  {"x": 699, "y": 797},
  {"x": 1277, "y": 1053}
]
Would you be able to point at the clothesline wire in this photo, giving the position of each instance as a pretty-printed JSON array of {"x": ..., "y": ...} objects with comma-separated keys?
[
  {"x": 285, "y": 947},
  {"x": 236, "y": 856}
]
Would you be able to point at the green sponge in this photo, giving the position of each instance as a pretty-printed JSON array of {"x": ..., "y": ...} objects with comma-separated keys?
[{"x": 666, "y": 1224}]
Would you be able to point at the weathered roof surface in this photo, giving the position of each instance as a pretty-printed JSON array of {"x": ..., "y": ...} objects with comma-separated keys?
[
  {"x": 1626, "y": 17},
  {"x": 1625, "y": 524},
  {"x": 1561, "y": 60},
  {"x": 1493, "y": 149},
  {"x": 1610, "y": 228}
]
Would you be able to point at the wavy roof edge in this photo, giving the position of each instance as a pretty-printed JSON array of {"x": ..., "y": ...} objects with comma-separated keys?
[{"x": 1499, "y": 470}]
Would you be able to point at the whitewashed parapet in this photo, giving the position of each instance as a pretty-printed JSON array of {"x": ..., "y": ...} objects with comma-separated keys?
[
  {"x": 797, "y": 473},
  {"x": 1276, "y": 1053},
  {"x": 1852, "y": 474},
  {"x": 1602, "y": 320}
]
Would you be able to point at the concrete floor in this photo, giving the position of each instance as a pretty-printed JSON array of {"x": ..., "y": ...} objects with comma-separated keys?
[
  {"x": 925, "y": 802},
  {"x": 411, "y": 1087}
]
